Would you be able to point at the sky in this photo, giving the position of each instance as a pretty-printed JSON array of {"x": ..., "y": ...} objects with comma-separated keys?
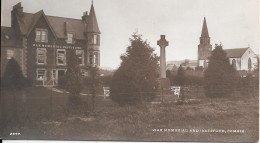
[{"x": 234, "y": 23}]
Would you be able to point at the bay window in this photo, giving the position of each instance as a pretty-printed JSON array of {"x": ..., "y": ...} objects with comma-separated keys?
[{"x": 94, "y": 58}]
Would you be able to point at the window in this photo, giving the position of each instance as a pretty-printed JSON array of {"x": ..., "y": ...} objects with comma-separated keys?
[
  {"x": 10, "y": 54},
  {"x": 41, "y": 35},
  {"x": 96, "y": 58},
  {"x": 91, "y": 58},
  {"x": 61, "y": 57},
  {"x": 234, "y": 63},
  {"x": 95, "y": 39},
  {"x": 41, "y": 74},
  {"x": 70, "y": 38},
  {"x": 38, "y": 36},
  {"x": 249, "y": 64},
  {"x": 80, "y": 54},
  {"x": 41, "y": 56}
]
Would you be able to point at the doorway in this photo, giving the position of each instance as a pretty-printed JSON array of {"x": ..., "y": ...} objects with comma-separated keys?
[{"x": 60, "y": 75}]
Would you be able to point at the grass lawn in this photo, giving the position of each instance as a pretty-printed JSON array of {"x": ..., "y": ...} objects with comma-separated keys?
[{"x": 135, "y": 123}]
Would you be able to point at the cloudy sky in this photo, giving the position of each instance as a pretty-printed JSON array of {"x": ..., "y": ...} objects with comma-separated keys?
[{"x": 234, "y": 23}]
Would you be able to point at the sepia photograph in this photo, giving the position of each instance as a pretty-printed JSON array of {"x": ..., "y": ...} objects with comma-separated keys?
[{"x": 130, "y": 70}]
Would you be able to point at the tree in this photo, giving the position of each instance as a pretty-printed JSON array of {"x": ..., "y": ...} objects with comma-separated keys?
[
  {"x": 168, "y": 74},
  {"x": 136, "y": 78},
  {"x": 180, "y": 76},
  {"x": 13, "y": 78},
  {"x": 13, "y": 81},
  {"x": 72, "y": 79},
  {"x": 93, "y": 82},
  {"x": 73, "y": 75},
  {"x": 220, "y": 76}
]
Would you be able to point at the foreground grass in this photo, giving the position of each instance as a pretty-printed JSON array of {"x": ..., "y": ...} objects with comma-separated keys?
[{"x": 134, "y": 123}]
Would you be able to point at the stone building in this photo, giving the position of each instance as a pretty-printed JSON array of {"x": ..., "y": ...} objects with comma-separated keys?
[
  {"x": 41, "y": 43},
  {"x": 243, "y": 59}
]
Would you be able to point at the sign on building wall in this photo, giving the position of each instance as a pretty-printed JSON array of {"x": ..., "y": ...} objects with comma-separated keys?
[{"x": 56, "y": 46}]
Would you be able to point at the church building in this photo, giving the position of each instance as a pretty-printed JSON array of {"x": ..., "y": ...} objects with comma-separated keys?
[
  {"x": 242, "y": 59},
  {"x": 41, "y": 43}
]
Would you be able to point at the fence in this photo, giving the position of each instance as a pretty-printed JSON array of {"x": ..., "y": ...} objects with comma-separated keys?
[{"x": 187, "y": 92}]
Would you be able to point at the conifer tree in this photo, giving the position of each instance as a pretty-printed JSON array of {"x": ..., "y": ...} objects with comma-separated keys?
[
  {"x": 220, "y": 76},
  {"x": 72, "y": 77},
  {"x": 136, "y": 78},
  {"x": 13, "y": 78},
  {"x": 180, "y": 76}
]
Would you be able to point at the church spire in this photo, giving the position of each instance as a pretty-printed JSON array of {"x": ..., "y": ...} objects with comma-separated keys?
[
  {"x": 92, "y": 26},
  {"x": 204, "y": 32}
]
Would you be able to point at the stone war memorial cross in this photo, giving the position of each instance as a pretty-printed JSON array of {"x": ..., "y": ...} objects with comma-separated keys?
[
  {"x": 164, "y": 82},
  {"x": 162, "y": 43}
]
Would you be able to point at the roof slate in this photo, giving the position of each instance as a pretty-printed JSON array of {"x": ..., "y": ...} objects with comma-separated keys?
[
  {"x": 231, "y": 53},
  {"x": 235, "y": 53},
  {"x": 76, "y": 26},
  {"x": 92, "y": 22}
]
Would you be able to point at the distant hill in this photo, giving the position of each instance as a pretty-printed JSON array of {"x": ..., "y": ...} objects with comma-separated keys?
[{"x": 171, "y": 64}]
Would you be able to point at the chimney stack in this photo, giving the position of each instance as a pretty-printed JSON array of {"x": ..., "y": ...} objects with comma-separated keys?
[
  {"x": 85, "y": 16},
  {"x": 66, "y": 27},
  {"x": 18, "y": 9}
]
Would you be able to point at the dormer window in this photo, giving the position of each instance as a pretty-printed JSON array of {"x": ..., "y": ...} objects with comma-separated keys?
[
  {"x": 41, "y": 35},
  {"x": 70, "y": 37}
]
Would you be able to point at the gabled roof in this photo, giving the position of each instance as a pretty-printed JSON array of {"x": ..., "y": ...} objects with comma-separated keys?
[
  {"x": 231, "y": 53},
  {"x": 28, "y": 22},
  {"x": 77, "y": 26},
  {"x": 235, "y": 53},
  {"x": 92, "y": 26},
  {"x": 36, "y": 18},
  {"x": 204, "y": 32},
  {"x": 8, "y": 38}
]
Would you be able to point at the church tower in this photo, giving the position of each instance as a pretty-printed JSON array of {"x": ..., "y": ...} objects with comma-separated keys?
[
  {"x": 93, "y": 38},
  {"x": 204, "y": 48}
]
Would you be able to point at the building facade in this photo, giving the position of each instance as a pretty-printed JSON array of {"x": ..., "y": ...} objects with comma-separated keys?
[
  {"x": 42, "y": 44},
  {"x": 242, "y": 59}
]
